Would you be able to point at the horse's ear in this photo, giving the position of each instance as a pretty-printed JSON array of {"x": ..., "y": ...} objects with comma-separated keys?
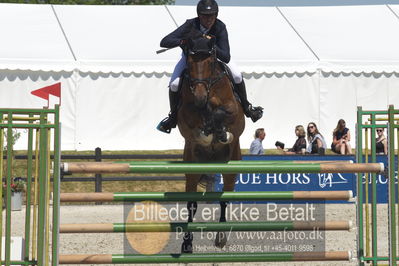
[
  {"x": 193, "y": 34},
  {"x": 190, "y": 46}
]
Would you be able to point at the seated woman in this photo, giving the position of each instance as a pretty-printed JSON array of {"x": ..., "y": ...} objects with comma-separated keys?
[
  {"x": 341, "y": 139},
  {"x": 381, "y": 142},
  {"x": 317, "y": 144},
  {"x": 300, "y": 144}
]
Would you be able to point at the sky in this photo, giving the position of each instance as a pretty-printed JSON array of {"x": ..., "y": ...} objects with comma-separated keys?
[{"x": 292, "y": 2}]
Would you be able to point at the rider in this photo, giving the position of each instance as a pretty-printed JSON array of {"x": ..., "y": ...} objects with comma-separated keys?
[{"x": 208, "y": 24}]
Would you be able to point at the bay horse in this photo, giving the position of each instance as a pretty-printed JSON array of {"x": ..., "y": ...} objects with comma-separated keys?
[{"x": 210, "y": 119}]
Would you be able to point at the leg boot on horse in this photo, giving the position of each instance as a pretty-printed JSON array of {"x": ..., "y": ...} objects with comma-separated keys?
[
  {"x": 170, "y": 122},
  {"x": 255, "y": 113}
]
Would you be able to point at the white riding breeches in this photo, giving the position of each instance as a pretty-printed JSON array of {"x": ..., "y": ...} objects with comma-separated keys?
[
  {"x": 181, "y": 65},
  {"x": 175, "y": 79}
]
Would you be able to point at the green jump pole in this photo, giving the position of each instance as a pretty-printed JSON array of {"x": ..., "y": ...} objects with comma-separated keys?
[
  {"x": 206, "y": 196},
  {"x": 7, "y": 242},
  {"x": 56, "y": 186},
  {"x": 43, "y": 187},
  {"x": 392, "y": 223},
  {"x": 26, "y": 111},
  {"x": 223, "y": 168},
  {"x": 206, "y": 257},
  {"x": 28, "y": 209},
  {"x": 203, "y": 227},
  {"x": 360, "y": 189},
  {"x": 374, "y": 225},
  {"x": 21, "y": 262}
]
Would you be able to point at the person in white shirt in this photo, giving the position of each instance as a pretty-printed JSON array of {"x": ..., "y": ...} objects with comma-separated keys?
[{"x": 315, "y": 139}]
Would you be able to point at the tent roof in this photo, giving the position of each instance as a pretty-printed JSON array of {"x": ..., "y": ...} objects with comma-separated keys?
[
  {"x": 356, "y": 36},
  {"x": 260, "y": 39},
  {"x": 105, "y": 37},
  {"x": 31, "y": 36},
  {"x": 263, "y": 39}
]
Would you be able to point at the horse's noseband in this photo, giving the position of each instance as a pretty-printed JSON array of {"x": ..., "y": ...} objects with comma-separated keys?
[{"x": 208, "y": 82}]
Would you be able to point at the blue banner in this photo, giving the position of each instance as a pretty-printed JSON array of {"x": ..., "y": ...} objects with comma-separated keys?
[{"x": 307, "y": 181}]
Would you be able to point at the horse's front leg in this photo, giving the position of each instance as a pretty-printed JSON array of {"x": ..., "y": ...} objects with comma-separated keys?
[
  {"x": 221, "y": 237},
  {"x": 191, "y": 186},
  {"x": 220, "y": 117}
]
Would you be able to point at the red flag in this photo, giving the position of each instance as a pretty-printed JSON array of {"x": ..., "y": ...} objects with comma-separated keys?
[
  {"x": 44, "y": 92},
  {"x": 40, "y": 93}
]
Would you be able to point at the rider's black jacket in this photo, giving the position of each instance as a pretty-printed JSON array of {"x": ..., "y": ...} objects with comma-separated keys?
[{"x": 218, "y": 30}]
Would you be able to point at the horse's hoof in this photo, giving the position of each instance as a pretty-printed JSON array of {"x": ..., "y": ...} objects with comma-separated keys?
[
  {"x": 205, "y": 180},
  {"x": 229, "y": 138},
  {"x": 221, "y": 239},
  {"x": 187, "y": 247}
]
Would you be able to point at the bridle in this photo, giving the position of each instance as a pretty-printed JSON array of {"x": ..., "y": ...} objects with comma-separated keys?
[{"x": 210, "y": 81}]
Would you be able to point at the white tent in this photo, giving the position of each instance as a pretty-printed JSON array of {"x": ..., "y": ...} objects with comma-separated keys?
[{"x": 301, "y": 64}]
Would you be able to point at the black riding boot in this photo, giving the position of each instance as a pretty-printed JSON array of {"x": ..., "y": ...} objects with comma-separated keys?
[
  {"x": 255, "y": 113},
  {"x": 170, "y": 122}
]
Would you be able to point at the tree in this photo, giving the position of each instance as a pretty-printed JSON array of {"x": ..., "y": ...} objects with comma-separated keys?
[{"x": 93, "y": 2}]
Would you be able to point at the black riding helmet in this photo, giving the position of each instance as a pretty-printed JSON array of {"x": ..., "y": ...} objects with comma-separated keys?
[{"x": 207, "y": 7}]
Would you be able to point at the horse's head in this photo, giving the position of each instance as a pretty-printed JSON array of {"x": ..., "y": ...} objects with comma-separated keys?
[{"x": 201, "y": 63}]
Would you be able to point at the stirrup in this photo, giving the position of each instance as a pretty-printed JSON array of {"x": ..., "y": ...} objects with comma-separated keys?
[
  {"x": 255, "y": 113},
  {"x": 166, "y": 125}
]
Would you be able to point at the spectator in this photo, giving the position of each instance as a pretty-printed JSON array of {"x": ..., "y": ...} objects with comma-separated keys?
[
  {"x": 256, "y": 145},
  {"x": 381, "y": 142},
  {"x": 317, "y": 144},
  {"x": 300, "y": 144},
  {"x": 341, "y": 139}
]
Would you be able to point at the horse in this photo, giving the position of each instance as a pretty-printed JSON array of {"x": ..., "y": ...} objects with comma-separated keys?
[{"x": 210, "y": 119}]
